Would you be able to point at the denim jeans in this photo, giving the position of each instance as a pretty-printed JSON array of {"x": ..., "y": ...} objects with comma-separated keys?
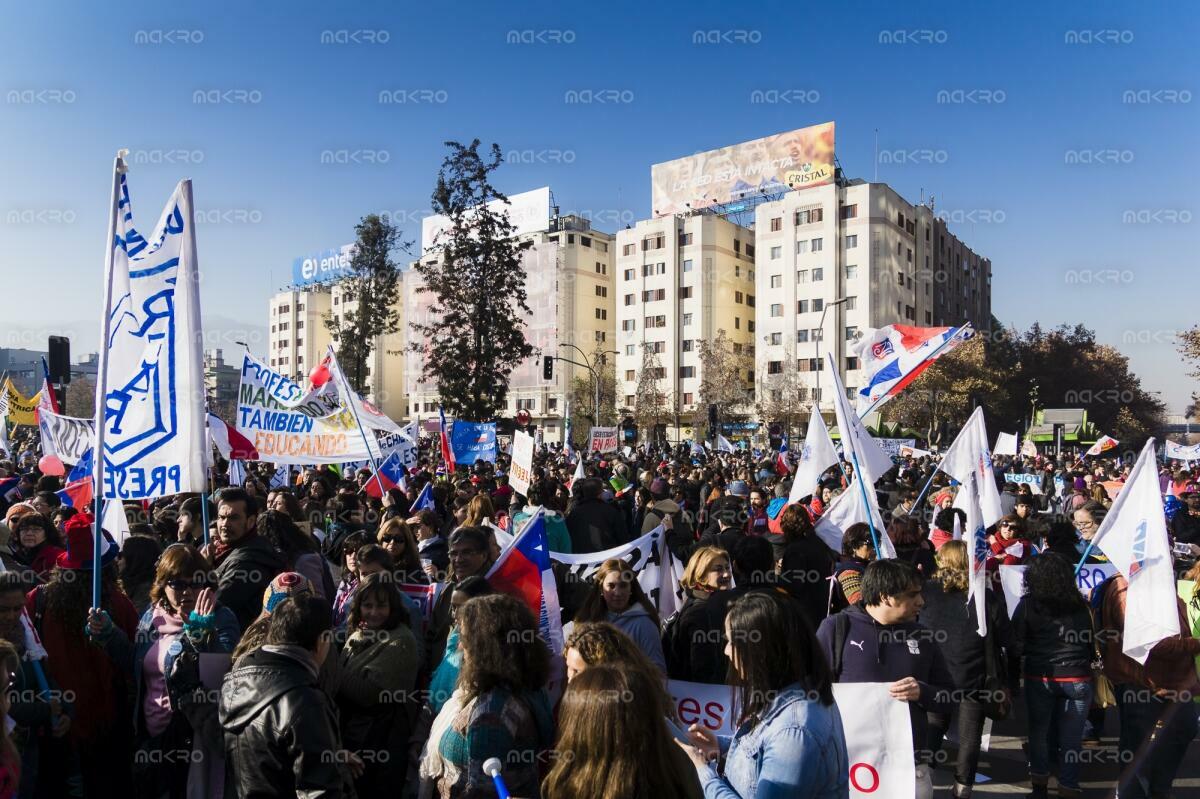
[
  {"x": 1060, "y": 707},
  {"x": 970, "y": 731},
  {"x": 1151, "y": 773}
]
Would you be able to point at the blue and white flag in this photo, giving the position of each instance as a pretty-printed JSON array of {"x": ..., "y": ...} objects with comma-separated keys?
[
  {"x": 424, "y": 500},
  {"x": 895, "y": 355},
  {"x": 1134, "y": 538},
  {"x": 857, "y": 444},
  {"x": 150, "y": 389}
]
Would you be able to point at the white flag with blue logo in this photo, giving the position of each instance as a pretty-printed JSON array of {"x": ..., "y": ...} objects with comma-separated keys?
[
  {"x": 817, "y": 456},
  {"x": 1134, "y": 537},
  {"x": 150, "y": 389}
]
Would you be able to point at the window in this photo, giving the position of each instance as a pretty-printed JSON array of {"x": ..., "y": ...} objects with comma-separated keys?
[
  {"x": 630, "y": 350},
  {"x": 687, "y": 320},
  {"x": 851, "y": 242},
  {"x": 900, "y": 279},
  {"x": 601, "y": 291},
  {"x": 653, "y": 242},
  {"x": 776, "y": 253},
  {"x": 908, "y": 256},
  {"x": 687, "y": 371},
  {"x": 750, "y": 327},
  {"x": 526, "y": 404},
  {"x": 818, "y": 305},
  {"x": 776, "y": 281},
  {"x": 685, "y": 292},
  {"x": 737, "y": 323},
  {"x": 737, "y": 270},
  {"x": 809, "y": 216},
  {"x": 851, "y": 303},
  {"x": 570, "y": 238},
  {"x": 737, "y": 297},
  {"x": 851, "y": 363},
  {"x": 336, "y": 299},
  {"x": 928, "y": 318},
  {"x": 685, "y": 239},
  {"x": 657, "y": 347},
  {"x": 687, "y": 264},
  {"x": 630, "y": 299},
  {"x": 849, "y": 211},
  {"x": 750, "y": 300},
  {"x": 801, "y": 275},
  {"x": 818, "y": 274},
  {"x": 776, "y": 224},
  {"x": 585, "y": 241},
  {"x": 629, "y": 398},
  {"x": 601, "y": 313},
  {"x": 601, "y": 268},
  {"x": 628, "y": 324},
  {"x": 801, "y": 336},
  {"x": 802, "y": 247},
  {"x": 552, "y": 403},
  {"x": 300, "y": 324},
  {"x": 774, "y": 367},
  {"x": 630, "y": 374},
  {"x": 802, "y": 306},
  {"x": 687, "y": 398},
  {"x": 659, "y": 373},
  {"x": 851, "y": 332},
  {"x": 900, "y": 218},
  {"x": 851, "y": 271},
  {"x": 688, "y": 344},
  {"x": 656, "y": 321},
  {"x": 777, "y": 309},
  {"x": 815, "y": 334},
  {"x": 737, "y": 245},
  {"x": 653, "y": 295},
  {"x": 601, "y": 335},
  {"x": 776, "y": 338},
  {"x": 818, "y": 245},
  {"x": 630, "y": 274}
]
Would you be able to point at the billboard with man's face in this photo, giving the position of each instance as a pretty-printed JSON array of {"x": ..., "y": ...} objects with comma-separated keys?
[{"x": 797, "y": 159}]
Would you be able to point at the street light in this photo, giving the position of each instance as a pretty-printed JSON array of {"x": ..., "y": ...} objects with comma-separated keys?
[
  {"x": 588, "y": 365},
  {"x": 821, "y": 335}
]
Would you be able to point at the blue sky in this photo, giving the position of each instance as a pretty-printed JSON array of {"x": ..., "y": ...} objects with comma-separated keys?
[{"x": 997, "y": 161}]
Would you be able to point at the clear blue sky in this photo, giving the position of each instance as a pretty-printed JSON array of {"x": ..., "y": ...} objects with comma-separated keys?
[{"x": 265, "y": 198}]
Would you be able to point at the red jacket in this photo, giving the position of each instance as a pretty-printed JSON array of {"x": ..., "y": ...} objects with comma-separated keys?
[{"x": 1009, "y": 552}]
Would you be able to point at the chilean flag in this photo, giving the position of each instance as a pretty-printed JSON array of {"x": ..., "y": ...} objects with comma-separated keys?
[
  {"x": 424, "y": 499},
  {"x": 232, "y": 445},
  {"x": 781, "y": 463},
  {"x": 77, "y": 494},
  {"x": 8, "y": 489},
  {"x": 444, "y": 435},
  {"x": 390, "y": 475},
  {"x": 895, "y": 355},
  {"x": 523, "y": 571}
]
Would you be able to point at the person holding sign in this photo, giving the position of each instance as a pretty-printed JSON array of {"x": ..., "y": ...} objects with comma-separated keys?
[{"x": 789, "y": 742}]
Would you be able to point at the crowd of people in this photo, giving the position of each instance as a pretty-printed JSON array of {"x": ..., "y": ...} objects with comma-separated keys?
[{"x": 318, "y": 641}]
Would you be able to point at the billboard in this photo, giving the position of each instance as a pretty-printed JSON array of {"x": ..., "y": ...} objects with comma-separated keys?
[
  {"x": 528, "y": 212},
  {"x": 322, "y": 267},
  {"x": 798, "y": 159}
]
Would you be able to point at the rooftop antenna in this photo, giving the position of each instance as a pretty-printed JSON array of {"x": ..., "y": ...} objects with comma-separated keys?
[{"x": 876, "y": 180}]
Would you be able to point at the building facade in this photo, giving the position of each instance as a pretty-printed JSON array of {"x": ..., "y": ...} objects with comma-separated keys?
[
  {"x": 837, "y": 259},
  {"x": 681, "y": 280}
]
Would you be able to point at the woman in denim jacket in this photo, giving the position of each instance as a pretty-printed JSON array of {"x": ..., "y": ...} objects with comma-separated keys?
[{"x": 789, "y": 742}]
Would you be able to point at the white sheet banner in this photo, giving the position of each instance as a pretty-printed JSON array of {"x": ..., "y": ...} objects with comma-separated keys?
[
  {"x": 878, "y": 731},
  {"x": 895, "y": 446},
  {"x": 1006, "y": 444},
  {"x": 152, "y": 364},
  {"x": 603, "y": 439},
  {"x": 70, "y": 437},
  {"x": 521, "y": 471},
  {"x": 1181, "y": 453},
  {"x": 1034, "y": 481},
  {"x": 1012, "y": 581}
]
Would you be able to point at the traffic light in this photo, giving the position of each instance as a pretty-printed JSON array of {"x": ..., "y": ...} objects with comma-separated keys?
[
  {"x": 60, "y": 360},
  {"x": 547, "y": 367}
]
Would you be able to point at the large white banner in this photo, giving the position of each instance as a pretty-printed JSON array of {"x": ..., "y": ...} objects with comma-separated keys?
[
  {"x": 522, "y": 463},
  {"x": 70, "y": 437},
  {"x": 896, "y": 447},
  {"x": 602, "y": 439},
  {"x": 151, "y": 359},
  {"x": 877, "y": 727},
  {"x": 1012, "y": 581},
  {"x": 288, "y": 425},
  {"x": 1181, "y": 453}
]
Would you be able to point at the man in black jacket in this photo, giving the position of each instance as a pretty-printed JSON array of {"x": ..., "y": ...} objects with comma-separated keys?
[
  {"x": 281, "y": 732},
  {"x": 594, "y": 524},
  {"x": 245, "y": 561}
]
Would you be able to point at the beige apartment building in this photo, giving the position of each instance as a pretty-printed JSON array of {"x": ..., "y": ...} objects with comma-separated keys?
[
  {"x": 680, "y": 280},
  {"x": 834, "y": 260}
]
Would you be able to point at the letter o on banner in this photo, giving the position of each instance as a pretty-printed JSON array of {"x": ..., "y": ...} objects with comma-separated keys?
[{"x": 872, "y": 774}]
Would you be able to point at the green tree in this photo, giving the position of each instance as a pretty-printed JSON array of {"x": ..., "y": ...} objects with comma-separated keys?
[
  {"x": 369, "y": 294},
  {"x": 478, "y": 336},
  {"x": 582, "y": 391},
  {"x": 81, "y": 398}
]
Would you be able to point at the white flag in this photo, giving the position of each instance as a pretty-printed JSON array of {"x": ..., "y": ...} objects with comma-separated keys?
[
  {"x": 872, "y": 461},
  {"x": 1134, "y": 537},
  {"x": 115, "y": 521},
  {"x": 969, "y": 455},
  {"x": 848, "y": 508},
  {"x": 817, "y": 455},
  {"x": 1103, "y": 444},
  {"x": 150, "y": 388},
  {"x": 1029, "y": 449},
  {"x": 1006, "y": 444},
  {"x": 974, "y": 535},
  {"x": 4, "y": 445},
  {"x": 723, "y": 444}
]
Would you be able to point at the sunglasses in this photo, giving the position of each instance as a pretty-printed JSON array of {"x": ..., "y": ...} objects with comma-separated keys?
[{"x": 184, "y": 585}]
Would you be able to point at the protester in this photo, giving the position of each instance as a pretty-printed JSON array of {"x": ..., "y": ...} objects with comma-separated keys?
[
  {"x": 136, "y": 565},
  {"x": 618, "y": 598},
  {"x": 1052, "y": 632},
  {"x": 944, "y": 524},
  {"x": 10, "y": 760},
  {"x": 297, "y": 549},
  {"x": 556, "y": 527},
  {"x": 805, "y": 563},
  {"x": 912, "y": 546},
  {"x": 610, "y": 723},
  {"x": 691, "y": 645},
  {"x": 789, "y": 741},
  {"x": 346, "y": 550},
  {"x": 470, "y": 556},
  {"x": 37, "y": 544},
  {"x": 397, "y": 539},
  {"x": 594, "y": 525},
  {"x": 245, "y": 561},
  {"x": 281, "y": 731},
  {"x": 1009, "y": 545},
  {"x": 857, "y": 551},
  {"x": 431, "y": 546},
  {"x": 500, "y": 708},
  {"x": 970, "y": 658},
  {"x": 445, "y": 677}
]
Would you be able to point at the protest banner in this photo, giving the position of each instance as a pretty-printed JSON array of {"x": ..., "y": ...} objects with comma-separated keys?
[
  {"x": 1180, "y": 452},
  {"x": 521, "y": 470},
  {"x": 473, "y": 441},
  {"x": 21, "y": 409},
  {"x": 70, "y": 437},
  {"x": 894, "y": 447},
  {"x": 1012, "y": 581},
  {"x": 877, "y": 727},
  {"x": 602, "y": 439},
  {"x": 1034, "y": 481},
  {"x": 1006, "y": 444}
]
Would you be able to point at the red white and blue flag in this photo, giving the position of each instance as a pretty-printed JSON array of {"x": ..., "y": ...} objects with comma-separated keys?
[
  {"x": 895, "y": 355},
  {"x": 523, "y": 571},
  {"x": 390, "y": 475},
  {"x": 77, "y": 494},
  {"x": 782, "y": 467},
  {"x": 424, "y": 500},
  {"x": 444, "y": 436}
]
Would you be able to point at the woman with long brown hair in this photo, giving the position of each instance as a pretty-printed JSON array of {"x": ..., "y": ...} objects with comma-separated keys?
[
  {"x": 397, "y": 538},
  {"x": 617, "y": 598},
  {"x": 614, "y": 741},
  {"x": 692, "y": 639}
]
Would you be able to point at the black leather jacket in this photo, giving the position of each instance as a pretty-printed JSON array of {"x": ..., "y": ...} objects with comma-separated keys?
[
  {"x": 1053, "y": 646},
  {"x": 281, "y": 734}
]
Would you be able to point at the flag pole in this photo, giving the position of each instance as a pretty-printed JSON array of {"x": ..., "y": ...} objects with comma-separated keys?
[
  {"x": 110, "y": 244},
  {"x": 858, "y": 476},
  {"x": 350, "y": 397}
]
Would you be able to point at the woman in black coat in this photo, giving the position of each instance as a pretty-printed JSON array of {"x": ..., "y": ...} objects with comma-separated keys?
[
  {"x": 805, "y": 563},
  {"x": 954, "y": 625}
]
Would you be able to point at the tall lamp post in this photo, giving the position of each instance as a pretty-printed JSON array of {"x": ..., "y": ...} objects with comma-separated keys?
[
  {"x": 591, "y": 369},
  {"x": 821, "y": 335}
]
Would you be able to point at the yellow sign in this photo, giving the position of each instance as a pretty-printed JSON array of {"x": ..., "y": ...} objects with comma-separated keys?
[{"x": 21, "y": 409}]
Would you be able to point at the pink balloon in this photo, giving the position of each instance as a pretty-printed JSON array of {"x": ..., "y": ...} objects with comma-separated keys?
[
  {"x": 51, "y": 466},
  {"x": 319, "y": 376}
]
